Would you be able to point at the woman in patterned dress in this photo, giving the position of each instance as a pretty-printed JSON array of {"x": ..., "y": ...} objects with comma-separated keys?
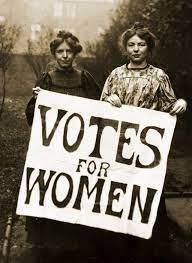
[{"x": 140, "y": 84}]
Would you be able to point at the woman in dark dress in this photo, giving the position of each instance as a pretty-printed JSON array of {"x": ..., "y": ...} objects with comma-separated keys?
[
  {"x": 64, "y": 77},
  {"x": 71, "y": 240}
]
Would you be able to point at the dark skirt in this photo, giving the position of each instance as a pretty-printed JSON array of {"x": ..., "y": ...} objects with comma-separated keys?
[{"x": 80, "y": 239}]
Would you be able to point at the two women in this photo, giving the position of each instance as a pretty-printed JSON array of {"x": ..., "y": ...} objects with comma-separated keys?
[{"x": 136, "y": 83}]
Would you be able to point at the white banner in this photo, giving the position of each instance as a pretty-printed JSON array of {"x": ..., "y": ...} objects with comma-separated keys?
[{"x": 94, "y": 164}]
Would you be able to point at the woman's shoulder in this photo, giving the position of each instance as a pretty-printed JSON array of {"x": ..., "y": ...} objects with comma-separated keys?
[
  {"x": 118, "y": 71},
  {"x": 44, "y": 75},
  {"x": 89, "y": 83},
  {"x": 44, "y": 80},
  {"x": 84, "y": 73},
  {"x": 158, "y": 72},
  {"x": 87, "y": 76}
]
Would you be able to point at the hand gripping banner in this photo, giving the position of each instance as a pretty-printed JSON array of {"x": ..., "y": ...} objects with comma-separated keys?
[{"x": 93, "y": 164}]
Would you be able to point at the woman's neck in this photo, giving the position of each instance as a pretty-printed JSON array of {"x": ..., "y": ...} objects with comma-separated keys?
[
  {"x": 133, "y": 65},
  {"x": 65, "y": 69}
]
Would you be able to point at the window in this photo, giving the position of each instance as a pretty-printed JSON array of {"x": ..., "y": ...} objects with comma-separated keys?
[
  {"x": 56, "y": 30},
  {"x": 100, "y": 31},
  {"x": 72, "y": 30},
  {"x": 2, "y": 19},
  {"x": 35, "y": 30},
  {"x": 34, "y": 3},
  {"x": 58, "y": 9},
  {"x": 70, "y": 10}
]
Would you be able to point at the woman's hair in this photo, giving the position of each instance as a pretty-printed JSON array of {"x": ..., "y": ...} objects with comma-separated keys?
[
  {"x": 69, "y": 38},
  {"x": 141, "y": 31}
]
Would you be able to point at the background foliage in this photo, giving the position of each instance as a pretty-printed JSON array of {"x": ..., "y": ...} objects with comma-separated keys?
[
  {"x": 169, "y": 20},
  {"x": 9, "y": 34},
  {"x": 38, "y": 53}
]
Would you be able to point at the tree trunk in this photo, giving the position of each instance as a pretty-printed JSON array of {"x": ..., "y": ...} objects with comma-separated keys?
[{"x": 3, "y": 93}]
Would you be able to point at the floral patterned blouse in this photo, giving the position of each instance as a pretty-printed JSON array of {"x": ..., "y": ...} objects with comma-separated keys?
[{"x": 146, "y": 88}]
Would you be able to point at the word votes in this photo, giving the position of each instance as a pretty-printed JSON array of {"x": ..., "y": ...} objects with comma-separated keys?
[{"x": 101, "y": 124}]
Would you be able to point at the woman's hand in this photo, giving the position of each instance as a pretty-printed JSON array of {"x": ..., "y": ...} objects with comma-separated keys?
[
  {"x": 114, "y": 100},
  {"x": 36, "y": 90},
  {"x": 179, "y": 107}
]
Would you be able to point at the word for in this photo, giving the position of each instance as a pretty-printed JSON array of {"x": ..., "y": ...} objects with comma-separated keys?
[{"x": 92, "y": 167}]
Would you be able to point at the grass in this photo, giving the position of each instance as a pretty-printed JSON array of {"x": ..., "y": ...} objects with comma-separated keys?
[{"x": 14, "y": 136}]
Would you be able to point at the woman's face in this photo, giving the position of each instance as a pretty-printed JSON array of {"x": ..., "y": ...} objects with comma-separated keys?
[
  {"x": 137, "y": 50},
  {"x": 64, "y": 55}
]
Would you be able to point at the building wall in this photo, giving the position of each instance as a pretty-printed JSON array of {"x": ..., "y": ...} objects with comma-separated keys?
[{"x": 86, "y": 18}]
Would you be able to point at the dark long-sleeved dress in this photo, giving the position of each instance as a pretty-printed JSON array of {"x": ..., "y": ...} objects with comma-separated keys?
[
  {"x": 50, "y": 233},
  {"x": 72, "y": 82}
]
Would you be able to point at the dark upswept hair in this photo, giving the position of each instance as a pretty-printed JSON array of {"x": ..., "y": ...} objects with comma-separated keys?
[
  {"x": 70, "y": 39},
  {"x": 141, "y": 31}
]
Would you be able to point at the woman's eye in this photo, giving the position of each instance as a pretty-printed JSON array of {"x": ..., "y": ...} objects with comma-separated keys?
[
  {"x": 59, "y": 51},
  {"x": 142, "y": 44}
]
